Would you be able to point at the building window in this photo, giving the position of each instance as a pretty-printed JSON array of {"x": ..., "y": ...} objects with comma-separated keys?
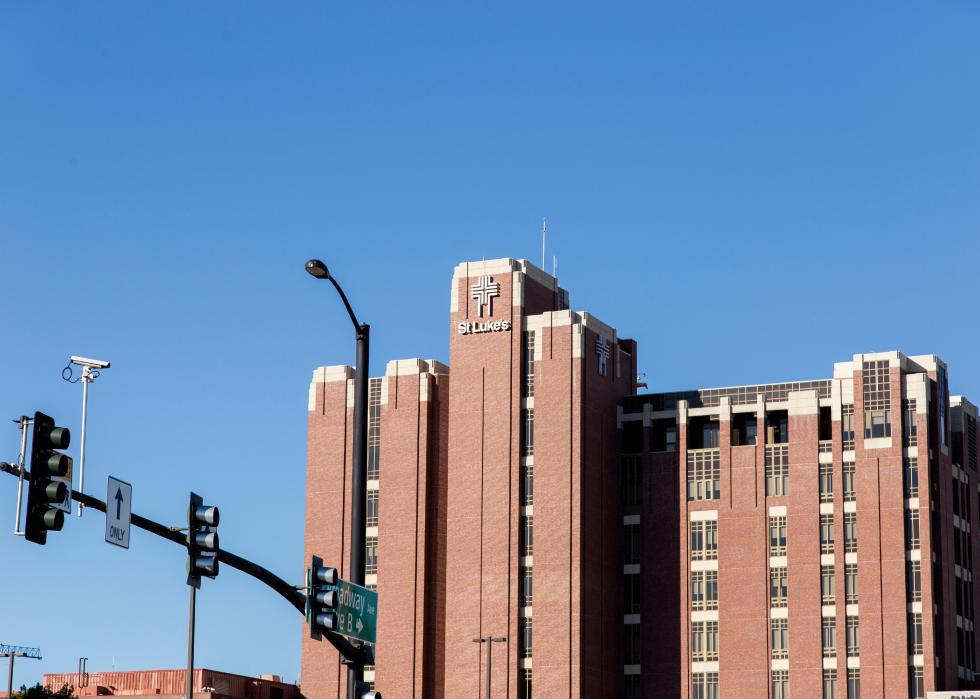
[
  {"x": 850, "y": 532},
  {"x": 527, "y": 535},
  {"x": 826, "y": 482},
  {"x": 631, "y": 543},
  {"x": 910, "y": 432},
  {"x": 780, "y": 638},
  {"x": 631, "y": 687},
  {"x": 528, "y": 355},
  {"x": 913, "y": 581},
  {"x": 853, "y": 640},
  {"x": 915, "y": 633},
  {"x": 828, "y": 629},
  {"x": 850, "y": 583},
  {"x": 527, "y": 588},
  {"x": 374, "y": 430},
  {"x": 703, "y": 474},
  {"x": 632, "y": 469},
  {"x": 877, "y": 399},
  {"x": 777, "y": 470},
  {"x": 847, "y": 480},
  {"x": 780, "y": 684},
  {"x": 777, "y": 535},
  {"x": 971, "y": 442},
  {"x": 371, "y": 555},
  {"x": 826, "y": 533},
  {"x": 704, "y": 540},
  {"x": 372, "y": 508},
  {"x": 778, "y": 589},
  {"x": 527, "y": 485},
  {"x": 830, "y": 684},
  {"x": 853, "y": 683},
  {"x": 631, "y": 645},
  {"x": 526, "y": 636},
  {"x": 704, "y": 685},
  {"x": 910, "y": 467},
  {"x": 631, "y": 594},
  {"x": 917, "y": 683},
  {"x": 943, "y": 404},
  {"x": 704, "y": 590},
  {"x": 524, "y": 684},
  {"x": 912, "y": 529},
  {"x": 847, "y": 427},
  {"x": 827, "y": 593},
  {"x": 527, "y": 431},
  {"x": 704, "y": 641}
]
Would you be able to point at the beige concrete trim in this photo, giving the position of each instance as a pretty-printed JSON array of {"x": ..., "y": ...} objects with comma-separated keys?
[
  {"x": 852, "y": 610},
  {"x": 777, "y": 510},
  {"x": 826, "y": 559},
  {"x": 780, "y": 664},
  {"x": 919, "y": 661},
  {"x": 853, "y": 663},
  {"x": 825, "y": 457},
  {"x": 703, "y": 565},
  {"x": 848, "y": 456},
  {"x": 803, "y": 403},
  {"x": 705, "y": 411},
  {"x": 598, "y": 327},
  {"x": 704, "y": 515},
  {"x": 705, "y": 666},
  {"x": 850, "y": 558},
  {"x": 778, "y": 561},
  {"x": 828, "y": 610},
  {"x": 705, "y": 615},
  {"x": 830, "y": 664},
  {"x": 327, "y": 374},
  {"x": 779, "y": 612},
  {"x": 962, "y": 403},
  {"x": 927, "y": 362},
  {"x": 350, "y": 394},
  {"x": 878, "y": 443},
  {"x": 850, "y": 506},
  {"x": 578, "y": 341},
  {"x": 835, "y": 400},
  {"x": 681, "y": 412},
  {"x": 826, "y": 508},
  {"x": 843, "y": 370},
  {"x": 847, "y": 392}
]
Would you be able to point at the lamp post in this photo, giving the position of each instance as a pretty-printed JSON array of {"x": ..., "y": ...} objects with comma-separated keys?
[
  {"x": 358, "y": 516},
  {"x": 489, "y": 640}
]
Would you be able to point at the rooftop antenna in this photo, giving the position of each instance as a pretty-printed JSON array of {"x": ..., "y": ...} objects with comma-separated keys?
[
  {"x": 544, "y": 238},
  {"x": 90, "y": 372},
  {"x": 554, "y": 266}
]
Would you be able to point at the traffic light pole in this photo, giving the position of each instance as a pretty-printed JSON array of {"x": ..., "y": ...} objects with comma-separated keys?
[
  {"x": 358, "y": 510},
  {"x": 190, "y": 645}
]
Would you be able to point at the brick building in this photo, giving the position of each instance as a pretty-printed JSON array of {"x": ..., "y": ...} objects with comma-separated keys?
[
  {"x": 172, "y": 684},
  {"x": 805, "y": 539}
]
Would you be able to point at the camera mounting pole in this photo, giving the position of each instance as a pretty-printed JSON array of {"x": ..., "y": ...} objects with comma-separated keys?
[{"x": 90, "y": 372}]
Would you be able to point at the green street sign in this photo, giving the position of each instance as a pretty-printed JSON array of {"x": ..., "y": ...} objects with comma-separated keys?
[{"x": 357, "y": 611}]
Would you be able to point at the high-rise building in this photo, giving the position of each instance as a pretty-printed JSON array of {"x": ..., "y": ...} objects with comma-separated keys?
[{"x": 806, "y": 539}]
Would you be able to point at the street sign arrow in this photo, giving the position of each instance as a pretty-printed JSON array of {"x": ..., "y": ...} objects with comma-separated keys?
[{"x": 117, "y": 524}]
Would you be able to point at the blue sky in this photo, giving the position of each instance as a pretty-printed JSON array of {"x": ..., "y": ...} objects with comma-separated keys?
[{"x": 753, "y": 191}]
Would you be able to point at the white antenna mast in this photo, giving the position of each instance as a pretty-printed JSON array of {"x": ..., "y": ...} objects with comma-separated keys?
[
  {"x": 544, "y": 237},
  {"x": 554, "y": 267}
]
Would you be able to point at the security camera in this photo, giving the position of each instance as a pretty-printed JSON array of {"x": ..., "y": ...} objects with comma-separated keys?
[{"x": 90, "y": 363}]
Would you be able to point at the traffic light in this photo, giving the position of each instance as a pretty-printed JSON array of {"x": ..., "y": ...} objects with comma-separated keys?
[
  {"x": 202, "y": 540},
  {"x": 45, "y": 490},
  {"x": 321, "y": 598}
]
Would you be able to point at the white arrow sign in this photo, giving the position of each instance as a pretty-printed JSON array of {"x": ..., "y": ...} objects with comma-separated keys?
[
  {"x": 360, "y": 625},
  {"x": 118, "y": 506}
]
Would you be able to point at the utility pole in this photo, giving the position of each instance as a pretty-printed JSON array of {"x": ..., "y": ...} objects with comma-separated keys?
[
  {"x": 490, "y": 640},
  {"x": 16, "y": 652}
]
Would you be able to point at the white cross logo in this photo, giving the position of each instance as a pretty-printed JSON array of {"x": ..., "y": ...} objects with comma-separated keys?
[
  {"x": 484, "y": 292},
  {"x": 602, "y": 349}
]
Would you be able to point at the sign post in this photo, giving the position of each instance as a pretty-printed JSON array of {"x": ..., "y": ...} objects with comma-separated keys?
[{"x": 119, "y": 506}]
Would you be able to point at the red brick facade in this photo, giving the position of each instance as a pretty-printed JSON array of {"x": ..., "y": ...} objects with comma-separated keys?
[{"x": 539, "y": 431}]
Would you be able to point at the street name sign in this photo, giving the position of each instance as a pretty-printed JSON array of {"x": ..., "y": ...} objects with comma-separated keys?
[
  {"x": 118, "y": 507},
  {"x": 357, "y": 611}
]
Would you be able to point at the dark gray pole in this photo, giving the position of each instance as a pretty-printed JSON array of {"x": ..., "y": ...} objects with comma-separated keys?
[
  {"x": 489, "y": 663},
  {"x": 10, "y": 677},
  {"x": 358, "y": 513},
  {"x": 190, "y": 646}
]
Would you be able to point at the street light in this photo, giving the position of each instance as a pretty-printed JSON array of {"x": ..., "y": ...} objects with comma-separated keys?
[
  {"x": 358, "y": 516},
  {"x": 489, "y": 640}
]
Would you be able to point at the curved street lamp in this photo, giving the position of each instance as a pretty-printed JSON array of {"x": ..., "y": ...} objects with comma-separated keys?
[{"x": 358, "y": 516}]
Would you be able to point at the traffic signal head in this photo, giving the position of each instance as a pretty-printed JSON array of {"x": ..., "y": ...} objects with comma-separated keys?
[
  {"x": 47, "y": 491},
  {"x": 202, "y": 540},
  {"x": 321, "y": 597}
]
